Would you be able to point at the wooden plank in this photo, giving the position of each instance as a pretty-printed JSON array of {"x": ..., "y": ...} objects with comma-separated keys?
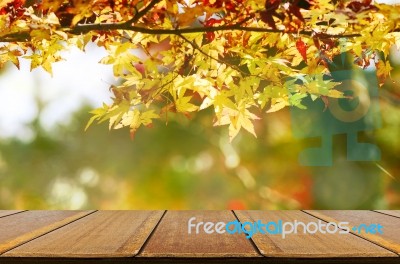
[
  {"x": 101, "y": 234},
  {"x": 390, "y": 238},
  {"x": 19, "y": 228},
  {"x": 4, "y": 213},
  {"x": 143, "y": 260},
  {"x": 254, "y": 260},
  {"x": 302, "y": 245},
  {"x": 395, "y": 213},
  {"x": 171, "y": 238}
]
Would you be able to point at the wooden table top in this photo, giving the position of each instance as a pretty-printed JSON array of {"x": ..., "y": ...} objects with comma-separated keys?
[{"x": 163, "y": 237}]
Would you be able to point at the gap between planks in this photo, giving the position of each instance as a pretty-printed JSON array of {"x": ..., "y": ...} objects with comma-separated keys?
[
  {"x": 303, "y": 245},
  {"x": 151, "y": 234},
  {"x": 46, "y": 232},
  {"x": 394, "y": 213},
  {"x": 103, "y": 234},
  {"x": 162, "y": 218},
  {"x": 11, "y": 212},
  {"x": 317, "y": 215},
  {"x": 251, "y": 239}
]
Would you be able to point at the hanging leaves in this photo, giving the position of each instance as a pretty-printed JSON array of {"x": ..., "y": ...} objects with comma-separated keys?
[
  {"x": 238, "y": 58},
  {"x": 383, "y": 70}
]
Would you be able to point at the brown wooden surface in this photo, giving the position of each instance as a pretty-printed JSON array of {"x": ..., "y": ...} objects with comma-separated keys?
[
  {"x": 171, "y": 238},
  {"x": 19, "y": 228},
  {"x": 101, "y": 234},
  {"x": 395, "y": 213},
  {"x": 78, "y": 237},
  {"x": 390, "y": 238},
  {"x": 302, "y": 245},
  {"x": 9, "y": 212}
]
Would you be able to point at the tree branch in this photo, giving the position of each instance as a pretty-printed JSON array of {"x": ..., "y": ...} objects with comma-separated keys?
[
  {"x": 85, "y": 28},
  {"x": 16, "y": 37}
]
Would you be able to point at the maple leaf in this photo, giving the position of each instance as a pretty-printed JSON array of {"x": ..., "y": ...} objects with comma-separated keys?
[
  {"x": 302, "y": 48},
  {"x": 14, "y": 8},
  {"x": 270, "y": 11},
  {"x": 360, "y": 6},
  {"x": 295, "y": 10},
  {"x": 383, "y": 70}
]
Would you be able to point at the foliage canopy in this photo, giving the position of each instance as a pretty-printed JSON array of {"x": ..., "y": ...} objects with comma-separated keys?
[{"x": 238, "y": 57}]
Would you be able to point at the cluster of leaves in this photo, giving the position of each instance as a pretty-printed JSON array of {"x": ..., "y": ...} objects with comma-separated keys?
[{"x": 239, "y": 57}]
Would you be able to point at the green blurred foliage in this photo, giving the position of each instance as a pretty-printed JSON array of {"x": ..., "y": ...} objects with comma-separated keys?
[{"x": 188, "y": 164}]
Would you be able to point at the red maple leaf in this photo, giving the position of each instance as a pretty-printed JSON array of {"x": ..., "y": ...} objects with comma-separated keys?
[
  {"x": 14, "y": 8},
  {"x": 270, "y": 11},
  {"x": 302, "y": 48}
]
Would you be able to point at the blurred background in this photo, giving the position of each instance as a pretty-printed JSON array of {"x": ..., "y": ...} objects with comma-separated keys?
[{"x": 47, "y": 161}]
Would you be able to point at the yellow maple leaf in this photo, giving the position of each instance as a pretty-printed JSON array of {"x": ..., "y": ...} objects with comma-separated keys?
[{"x": 383, "y": 70}]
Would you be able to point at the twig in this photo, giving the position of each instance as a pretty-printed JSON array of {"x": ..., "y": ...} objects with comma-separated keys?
[{"x": 138, "y": 15}]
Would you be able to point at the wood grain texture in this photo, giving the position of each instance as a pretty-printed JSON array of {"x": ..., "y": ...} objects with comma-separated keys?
[
  {"x": 174, "y": 260},
  {"x": 395, "y": 213},
  {"x": 19, "y": 228},
  {"x": 171, "y": 238},
  {"x": 390, "y": 238},
  {"x": 4, "y": 213},
  {"x": 101, "y": 234},
  {"x": 302, "y": 245}
]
